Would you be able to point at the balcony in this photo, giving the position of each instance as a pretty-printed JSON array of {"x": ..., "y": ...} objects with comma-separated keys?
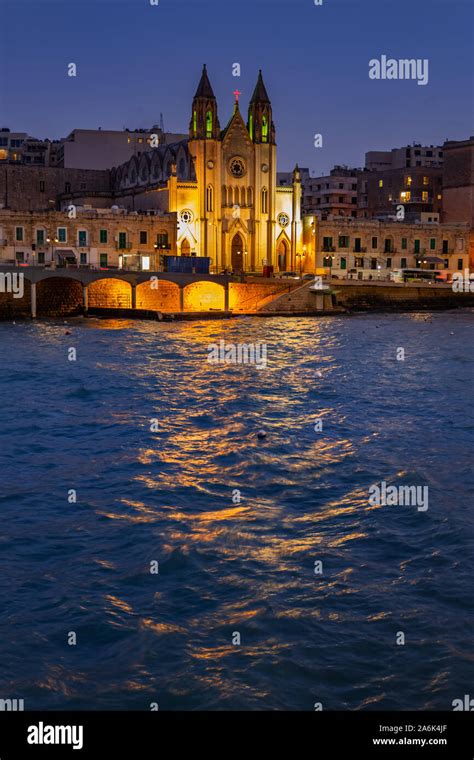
[
  {"x": 123, "y": 246},
  {"x": 329, "y": 249},
  {"x": 361, "y": 249}
]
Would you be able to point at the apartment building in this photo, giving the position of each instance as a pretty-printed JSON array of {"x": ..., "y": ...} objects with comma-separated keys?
[{"x": 95, "y": 238}]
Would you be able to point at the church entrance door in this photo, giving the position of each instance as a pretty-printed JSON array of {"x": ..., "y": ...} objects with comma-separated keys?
[
  {"x": 282, "y": 250},
  {"x": 237, "y": 253}
]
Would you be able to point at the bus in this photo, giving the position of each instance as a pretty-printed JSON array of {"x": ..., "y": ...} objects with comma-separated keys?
[{"x": 418, "y": 275}]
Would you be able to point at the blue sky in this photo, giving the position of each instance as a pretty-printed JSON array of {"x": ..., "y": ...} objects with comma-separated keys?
[{"x": 135, "y": 60}]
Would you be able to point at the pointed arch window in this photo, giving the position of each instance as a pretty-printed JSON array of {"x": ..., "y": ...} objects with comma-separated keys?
[
  {"x": 251, "y": 126},
  {"x": 210, "y": 198},
  {"x": 195, "y": 123},
  {"x": 264, "y": 128},
  {"x": 264, "y": 201},
  {"x": 209, "y": 124}
]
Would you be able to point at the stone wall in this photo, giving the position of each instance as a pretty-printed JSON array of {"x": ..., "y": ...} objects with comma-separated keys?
[
  {"x": 253, "y": 296},
  {"x": 31, "y": 188}
]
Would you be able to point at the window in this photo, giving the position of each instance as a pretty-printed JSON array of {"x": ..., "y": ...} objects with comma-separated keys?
[
  {"x": 387, "y": 247},
  {"x": 446, "y": 263},
  {"x": 380, "y": 182},
  {"x": 405, "y": 195},
  {"x": 389, "y": 262},
  {"x": 82, "y": 238},
  {"x": 194, "y": 124},
  {"x": 19, "y": 234},
  {"x": 209, "y": 124},
  {"x": 417, "y": 246},
  {"x": 264, "y": 201},
  {"x": 67, "y": 187},
  {"x": 359, "y": 262},
  {"x": 408, "y": 181},
  {"x": 264, "y": 128},
  {"x": 343, "y": 241},
  {"x": 20, "y": 257},
  {"x": 62, "y": 234},
  {"x": 327, "y": 244},
  {"x": 375, "y": 242},
  {"x": 122, "y": 241},
  {"x": 403, "y": 263},
  {"x": 41, "y": 257},
  {"x": 460, "y": 264},
  {"x": 143, "y": 237},
  {"x": 341, "y": 199},
  {"x": 210, "y": 198},
  {"x": 103, "y": 259},
  {"x": 424, "y": 196},
  {"x": 83, "y": 259},
  {"x": 103, "y": 236},
  {"x": 41, "y": 188},
  {"x": 404, "y": 244},
  {"x": 162, "y": 240},
  {"x": 357, "y": 243},
  {"x": 40, "y": 237},
  {"x": 343, "y": 262},
  {"x": 432, "y": 244},
  {"x": 373, "y": 263},
  {"x": 445, "y": 246},
  {"x": 426, "y": 180}
]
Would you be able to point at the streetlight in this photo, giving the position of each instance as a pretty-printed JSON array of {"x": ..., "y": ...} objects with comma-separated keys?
[
  {"x": 51, "y": 243},
  {"x": 301, "y": 256}
]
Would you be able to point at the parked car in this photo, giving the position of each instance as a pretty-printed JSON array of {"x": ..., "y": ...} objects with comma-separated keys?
[
  {"x": 309, "y": 276},
  {"x": 289, "y": 275}
]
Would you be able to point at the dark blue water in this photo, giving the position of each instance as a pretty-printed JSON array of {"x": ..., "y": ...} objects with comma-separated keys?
[{"x": 225, "y": 567}]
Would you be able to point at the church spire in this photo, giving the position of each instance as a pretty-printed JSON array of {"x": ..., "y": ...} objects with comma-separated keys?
[
  {"x": 204, "y": 121},
  {"x": 260, "y": 123}
]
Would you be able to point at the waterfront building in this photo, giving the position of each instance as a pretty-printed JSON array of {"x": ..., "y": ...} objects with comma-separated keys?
[
  {"x": 370, "y": 249},
  {"x": 95, "y": 238}
]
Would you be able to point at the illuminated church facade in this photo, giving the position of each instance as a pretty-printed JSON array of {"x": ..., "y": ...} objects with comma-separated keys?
[{"x": 222, "y": 185}]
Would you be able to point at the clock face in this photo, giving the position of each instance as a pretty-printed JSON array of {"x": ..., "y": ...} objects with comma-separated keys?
[
  {"x": 283, "y": 220},
  {"x": 265, "y": 168},
  {"x": 210, "y": 164},
  {"x": 237, "y": 167}
]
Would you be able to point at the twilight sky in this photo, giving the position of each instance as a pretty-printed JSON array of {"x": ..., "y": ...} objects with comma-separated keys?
[{"x": 135, "y": 60}]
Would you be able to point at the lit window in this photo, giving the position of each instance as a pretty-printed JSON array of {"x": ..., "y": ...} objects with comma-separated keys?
[
  {"x": 408, "y": 181},
  {"x": 426, "y": 180},
  {"x": 209, "y": 124},
  {"x": 380, "y": 182},
  {"x": 424, "y": 196}
]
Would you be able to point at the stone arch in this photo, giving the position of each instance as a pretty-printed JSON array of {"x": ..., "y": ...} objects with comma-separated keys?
[
  {"x": 237, "y": 248},
  {"x": 144, "y": 169},
  {"x": 185, "y": 247},
  {"x": 132, "y": 172},
  {"x": 282, "y": 251},
  {"x": 204, "y": 296},
  {"x": 110, "y": 293},
  {"x": 156, "y": 168},
  {"x": 161, "y": 295},
  {"x": 58, "y": 296},
  {"x": 249, "y": 197}
]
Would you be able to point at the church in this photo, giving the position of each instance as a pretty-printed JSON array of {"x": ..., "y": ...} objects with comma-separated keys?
[{"x": 222, "y": 184}]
